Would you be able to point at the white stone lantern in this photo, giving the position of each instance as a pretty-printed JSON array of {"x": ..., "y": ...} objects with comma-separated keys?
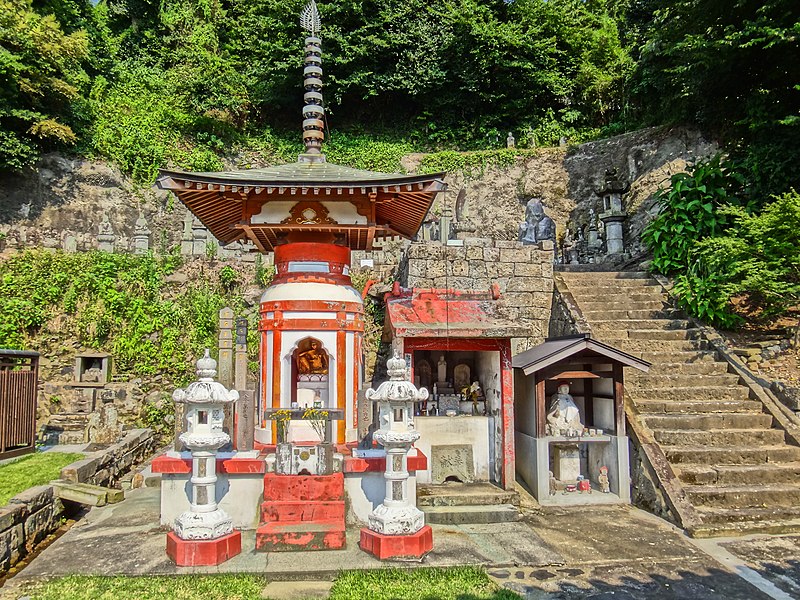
[
  {"x": 204, "y": 522},
  {"x": 396, "y": 527}
]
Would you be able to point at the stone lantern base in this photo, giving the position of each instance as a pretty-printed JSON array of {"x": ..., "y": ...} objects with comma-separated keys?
[
  {"x": 383, "y": 547},
  {"x": 203, "y": 553}
]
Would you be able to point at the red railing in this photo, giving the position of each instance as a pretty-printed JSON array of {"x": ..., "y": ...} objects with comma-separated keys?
[{"x": 19, "y": 374}]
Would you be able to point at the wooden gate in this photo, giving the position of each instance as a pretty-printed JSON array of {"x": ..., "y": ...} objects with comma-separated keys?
[{"x": 19, "y": 374}]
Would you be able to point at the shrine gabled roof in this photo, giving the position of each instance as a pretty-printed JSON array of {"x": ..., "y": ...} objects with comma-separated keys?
[
  {"x": 308, "y": 173},
  {"x": 554, "y": 350},
  {"x": 391, "y": 204},
  {"x": 449, "y": 313}
]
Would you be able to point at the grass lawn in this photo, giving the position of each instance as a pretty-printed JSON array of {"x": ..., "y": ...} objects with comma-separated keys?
[
  {"x": 458, "y": 583},
  {"x": 31, "y": 470}
]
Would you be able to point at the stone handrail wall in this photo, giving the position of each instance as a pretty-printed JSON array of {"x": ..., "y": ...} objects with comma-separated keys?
[{"x": 32, "y": 515}]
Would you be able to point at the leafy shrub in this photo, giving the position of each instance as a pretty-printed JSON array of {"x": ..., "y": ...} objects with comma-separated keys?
[{"x": 689, "y": 211}]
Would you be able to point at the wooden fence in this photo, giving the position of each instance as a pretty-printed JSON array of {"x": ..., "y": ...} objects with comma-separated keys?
[{"x": 19, "y": 374}]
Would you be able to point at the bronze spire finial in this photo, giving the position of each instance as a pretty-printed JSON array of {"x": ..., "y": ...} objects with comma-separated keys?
[{"x": 313, "y": 112}]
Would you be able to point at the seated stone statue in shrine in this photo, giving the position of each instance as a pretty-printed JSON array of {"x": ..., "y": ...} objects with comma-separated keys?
[
  {"x": 313, "y": 361},
  {"x": 564, "y": 417}
]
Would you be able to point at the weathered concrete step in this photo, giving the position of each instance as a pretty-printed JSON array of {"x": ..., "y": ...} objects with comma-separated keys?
[
  {"x": 701, "y": 367},
  {"x": 475, "y": 515},
  {"x": 663, "y": 334},
  {"x": 289, "y": 511},
  {"x": 613, "y": 325},
  {"x": 289, "y": 537},
  {"x": 756, "y": 526},
  {"x": 655, "y": 407},
  {"x": 680, "y": 356},
  {"x": 743, "y": 496},
  {"x": 595, "y": 315},
  {"x": 466, "y": 494},
  {"x": 85, "y": 493},
  {"x": 614, "y": 276},
  {"x": 641, "y": 346},
  {"x": 626, "y": 304},
  {"x": 303, "y": 487},
  {"x": 709, "y": 421},
  {"x": 720, "y": 437},
  {"x": 679, "y": 394},
  {"x": 731, "y": 455},
  {"x": 739, "y": 474},
  {"x": 639, "y": 294},
  {"x": 650, "y": 381},
  {"x": 723, "y": 516}
]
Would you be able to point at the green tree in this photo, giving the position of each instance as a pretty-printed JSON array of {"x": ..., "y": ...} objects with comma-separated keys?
[{"x": 41, "y": 75}]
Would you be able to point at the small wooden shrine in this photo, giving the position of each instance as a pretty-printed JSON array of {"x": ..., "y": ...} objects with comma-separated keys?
[{"x": 571, "y": 442}]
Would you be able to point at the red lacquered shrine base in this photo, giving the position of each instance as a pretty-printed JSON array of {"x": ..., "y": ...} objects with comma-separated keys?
[
  {"x": 197, "y": 553},
  {"x": 384, "y": 547}
]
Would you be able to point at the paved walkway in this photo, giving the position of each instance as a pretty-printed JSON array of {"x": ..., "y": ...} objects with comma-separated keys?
[{"x": 555, "y": 554}]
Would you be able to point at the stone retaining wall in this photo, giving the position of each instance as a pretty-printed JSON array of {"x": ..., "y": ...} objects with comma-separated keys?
[
  {"x": 523, "y": 274},
  {"x": 32, "y": 515}
]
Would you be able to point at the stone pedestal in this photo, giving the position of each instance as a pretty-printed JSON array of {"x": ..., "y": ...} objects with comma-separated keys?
[
  {"x": 386, "y": 547},
  {"x": 613, "y": 226},
  {"x": 566, "y": 462},
  {"x": 203, "y": 553}
]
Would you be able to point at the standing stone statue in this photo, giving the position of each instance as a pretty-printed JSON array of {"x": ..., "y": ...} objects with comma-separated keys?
[
  {"x": 187, "y": 237},
  {"x": 105, "y": 235},
  {"x": 141, "y": 236},
  {"x": 537, "y": 227},
  {"x": 510, "y": 141}
]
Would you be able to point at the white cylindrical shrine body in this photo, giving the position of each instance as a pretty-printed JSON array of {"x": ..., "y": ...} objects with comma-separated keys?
[{"x": 312, "y": 327}]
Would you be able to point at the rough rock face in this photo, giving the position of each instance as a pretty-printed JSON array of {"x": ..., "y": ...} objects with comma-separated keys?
[
  {"x": 66, "y": 198},
  {"x": 646, "y": 159},
  {"x": 567, "y": 179}
]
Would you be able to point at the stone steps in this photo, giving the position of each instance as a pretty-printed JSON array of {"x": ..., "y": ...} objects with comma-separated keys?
[
  {"x": 474, "y": 515},
  {"x": 731, "y": 455},
  {"x": 657, "y": 407},
  {"x": 302, "y": 512},
  {"x": 739, "y": 474},
  {"x": 649, "y": 381},
  {"x": 736, "y": 470},
  {"x": 679, "y": 394},
  {"x": 719, "y": 437},
  {"x": 743, "y": 496},
  {"x": 707, "y": 421}
]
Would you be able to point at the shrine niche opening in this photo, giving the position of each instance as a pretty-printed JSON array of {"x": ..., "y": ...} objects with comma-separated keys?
[{"x": 310, "y": 364}]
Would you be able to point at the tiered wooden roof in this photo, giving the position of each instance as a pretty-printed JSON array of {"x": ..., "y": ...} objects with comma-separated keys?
[{"x": 226, "y": 203}]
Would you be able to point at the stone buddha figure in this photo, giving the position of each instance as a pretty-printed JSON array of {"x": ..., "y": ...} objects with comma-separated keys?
[
  {"x": 537, "y": 227},
  {"x": 313, "y": 361},
  {"x": 564, "y": 415}
]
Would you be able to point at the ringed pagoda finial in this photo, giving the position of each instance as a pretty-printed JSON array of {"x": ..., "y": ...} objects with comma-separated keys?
[{"x": 313, "y": 112}]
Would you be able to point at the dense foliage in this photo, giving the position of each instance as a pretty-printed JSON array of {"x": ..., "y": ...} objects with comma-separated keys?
[
  {"x": 187, "y": 82},
  {"x": 115, "y": 302}
]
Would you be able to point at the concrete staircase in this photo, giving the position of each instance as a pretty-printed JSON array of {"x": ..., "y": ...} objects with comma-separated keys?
[
  {"x": 302, "y": 512},
  {"x": 467, "y": 503},
  {"x": 736, "y": 470}
]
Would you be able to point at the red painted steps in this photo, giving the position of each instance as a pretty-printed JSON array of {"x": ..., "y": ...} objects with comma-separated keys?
[{"x": 302, "y": 512}]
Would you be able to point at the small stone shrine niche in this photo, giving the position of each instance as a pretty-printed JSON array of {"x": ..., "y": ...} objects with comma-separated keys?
[
  {"x": 93, "y": 368},
  {"x": 570, "y": 419}
]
